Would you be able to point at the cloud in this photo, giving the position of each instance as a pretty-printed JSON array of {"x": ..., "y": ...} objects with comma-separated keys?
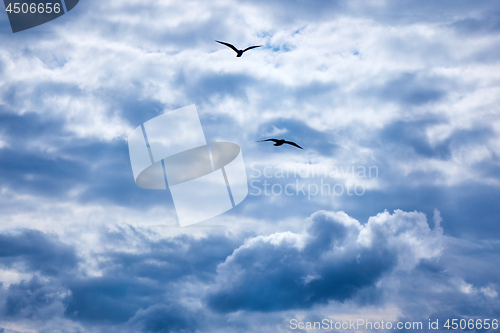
[
  {"x": 35, "y": 299},
  {"x": 34, "y": 251},
  {"x": 166, "y": 318},
  {"x": 479, "y": 24},
  {"x": 136, "y": 279},
  {"x": 335, "y": 258},
  {"x": 409, "y": 90},
  {"x": 108, "y": 299},
  {"x": 130, "y": 281}
]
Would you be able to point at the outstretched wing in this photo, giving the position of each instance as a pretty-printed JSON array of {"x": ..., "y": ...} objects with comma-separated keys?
[
  {"x": 293, "y": 144},
  {"x": 274, "y": 140},
  {"x": 228, "y": 45},
  {"x": 251, "y": 47}
]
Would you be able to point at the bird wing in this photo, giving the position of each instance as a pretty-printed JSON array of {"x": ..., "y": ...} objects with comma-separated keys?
[
  {"x": 251, "y": 47},
  {"x": 274, "y": 140},
  {"x": 293, "y": 144},
  {"x": 228, "y": 45}
]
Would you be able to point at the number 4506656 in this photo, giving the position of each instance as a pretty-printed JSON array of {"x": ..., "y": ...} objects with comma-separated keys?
[
  {"x": 472, "y": 324},
  {"x": 33, "y": 8}
]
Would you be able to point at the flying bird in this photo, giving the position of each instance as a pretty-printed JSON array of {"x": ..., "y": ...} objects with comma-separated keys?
[
  {"x": 239, "y": 52},
  {"x": 281, "y": 142}
]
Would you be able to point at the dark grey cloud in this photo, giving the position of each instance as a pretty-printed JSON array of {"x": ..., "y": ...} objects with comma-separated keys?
[
  {"x": 135, "y": 111},
  {"x": 202, "y": 87},
  {"x": 34, "y": 299},
  {"x": 170, "y": 260},
  {"x": 135, "y": 281},
  {"x": 39, "y": 175},
  {"x": 409, "y": 137},
  {"x": 108, "y": 176},
  {"x": 29, "y": 126},
  {"x": 487, "y": 22},
  {"x": 334, "y": 260},
  {"x": 48, "y": 261},
  {"x": 164, "y": 318},
  {"x": 36, "y": 252},
  {"x": 109, "y": 299},
  {"x": 407, "y": 90},
  {"x": 137, "y": 290},
  {"x": 101, "y": 169}
]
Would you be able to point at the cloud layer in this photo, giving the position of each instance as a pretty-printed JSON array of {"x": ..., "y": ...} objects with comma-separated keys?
[
  {"x": 333, "y": 260},
  {"x": 408, "y": 87}
]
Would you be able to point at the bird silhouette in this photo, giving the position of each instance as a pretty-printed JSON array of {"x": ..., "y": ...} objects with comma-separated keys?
[
  {"x": 278, "y": 142},
  {"x": 239, "y": 52}
]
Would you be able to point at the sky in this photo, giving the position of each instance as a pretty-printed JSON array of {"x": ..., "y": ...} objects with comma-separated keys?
[{"x": 391, "y": 210}]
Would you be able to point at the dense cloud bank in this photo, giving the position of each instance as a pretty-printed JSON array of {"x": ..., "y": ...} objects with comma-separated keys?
[
  {"x": 186, "y": 283},
  {"x": 332, "y": 260}
]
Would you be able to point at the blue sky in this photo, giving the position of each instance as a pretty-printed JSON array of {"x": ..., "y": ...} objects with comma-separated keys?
[{"x": 409, "y": 87}]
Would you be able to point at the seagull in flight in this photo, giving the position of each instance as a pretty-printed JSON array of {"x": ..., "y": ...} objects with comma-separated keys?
[
  {"x": 281, "y": 142},
  {"x": 239, "y": 52}
]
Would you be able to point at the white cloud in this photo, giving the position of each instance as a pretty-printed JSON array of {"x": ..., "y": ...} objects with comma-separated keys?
[
  {"x": 3, "y": 144},
  {"x": 490, "y": 290}
]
